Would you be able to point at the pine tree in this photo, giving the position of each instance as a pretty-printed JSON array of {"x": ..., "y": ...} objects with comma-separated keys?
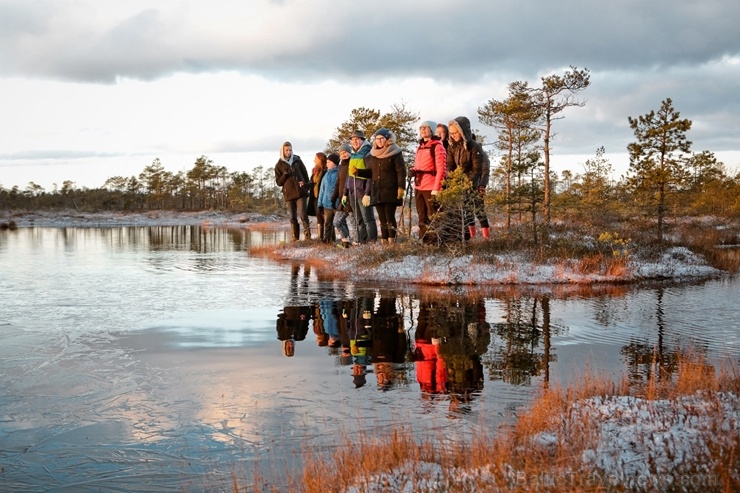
[{"x": 658, "y": 159}]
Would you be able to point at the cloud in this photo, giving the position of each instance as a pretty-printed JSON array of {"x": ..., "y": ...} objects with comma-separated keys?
[{"x": 104, "y": 40}]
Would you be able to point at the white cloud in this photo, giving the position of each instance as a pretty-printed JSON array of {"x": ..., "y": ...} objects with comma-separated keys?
[{"x": 122, "y": 83}]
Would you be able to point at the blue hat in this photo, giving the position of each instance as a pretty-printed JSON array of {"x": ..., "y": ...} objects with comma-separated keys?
[
  {"x": 429, "y": 123},
  {"x": 383, "y": 132}
]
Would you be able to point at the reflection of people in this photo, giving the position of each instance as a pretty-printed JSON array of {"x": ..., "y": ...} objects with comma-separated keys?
[
  {"x": 430, "y": 366},
  {"x": 329, "y": 313},
  {"x": 292, "y": 325},
  {"x": 291, "y": 175},
  {"x": 357, "y": 318},
  {"x": 450, "y": 338},
  {"x": 389, "y": 342},
  {"x": 468, "y": 338}
]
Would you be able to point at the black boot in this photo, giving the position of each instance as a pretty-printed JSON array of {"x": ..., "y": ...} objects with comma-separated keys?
[{"x": 296, "y": 230}]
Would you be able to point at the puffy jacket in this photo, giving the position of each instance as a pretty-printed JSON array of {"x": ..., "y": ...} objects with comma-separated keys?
[
  {"x": 326, "y": 190},
  {"x": 356, "y": 184},
  {"x": 386, "y": 169},
  {"x": 287, "y": 175},
  {"x": 430, "y": 165},
  {"x": 467, "y": 153}
]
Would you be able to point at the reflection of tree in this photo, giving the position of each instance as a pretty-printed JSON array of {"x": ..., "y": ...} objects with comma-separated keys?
[
  {"x": 652, "y": 362},
  {"x": 516, "y": 359}
]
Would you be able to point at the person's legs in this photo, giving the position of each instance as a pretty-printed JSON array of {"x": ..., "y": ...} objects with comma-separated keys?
[
  {"x": 328, "y": 235},
  {"x": 383, "y": 222},
  {"x": 480, "y": 214},
  {"x": 424, "y": 211},
  {"x": 302, "y": 204},
  {"x": 320, "y": 214},
  {"x": 292, "y": 209},
  {"x": 368, "y": 219},
  {"x": 359, "y": 229},
  {"x": 390, "y": 220},
  {"x": 340, "y": 222}
]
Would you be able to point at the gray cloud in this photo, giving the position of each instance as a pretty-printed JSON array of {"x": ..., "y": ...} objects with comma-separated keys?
[
  {"x": 444, "y": 40},
  {"x": 639, "y": 53}
]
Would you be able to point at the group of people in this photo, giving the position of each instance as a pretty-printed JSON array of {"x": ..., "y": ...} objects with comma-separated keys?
[{"x": 345, "y": 189}]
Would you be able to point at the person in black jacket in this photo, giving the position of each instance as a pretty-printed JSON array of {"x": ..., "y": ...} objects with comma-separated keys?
[
  {"x": 464, "y": 152},
  {"x": 387, "y": 171},
  {"x": 343, "y": 209},
  {"x": 292, "y": 176}
]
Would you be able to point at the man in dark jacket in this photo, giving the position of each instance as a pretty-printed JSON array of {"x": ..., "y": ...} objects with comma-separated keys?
[{"x": 292, "y": 176}]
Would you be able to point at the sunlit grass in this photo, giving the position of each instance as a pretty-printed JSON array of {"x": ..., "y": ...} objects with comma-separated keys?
[{"x": 549, "y": 439}]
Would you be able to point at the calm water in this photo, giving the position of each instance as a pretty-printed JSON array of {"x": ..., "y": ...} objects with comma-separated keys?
[{"x": 152, "y": 358}]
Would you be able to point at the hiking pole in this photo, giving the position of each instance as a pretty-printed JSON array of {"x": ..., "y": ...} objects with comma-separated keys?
[{"x": 403, "y": 202}]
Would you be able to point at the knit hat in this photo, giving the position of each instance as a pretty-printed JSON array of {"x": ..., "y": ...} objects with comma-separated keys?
[
  {"x": 346, "y": 148},
  {"x": 358, "y": 133},
  {"x": 383, "y": 132},
  {"x": 333, "y": 157},
  {"x": 429, "y": 123}
]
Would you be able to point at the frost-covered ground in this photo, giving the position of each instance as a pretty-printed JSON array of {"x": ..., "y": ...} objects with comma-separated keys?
[
  {"x": 639, "y": 445},
  {"x": 676, "y": 263}
]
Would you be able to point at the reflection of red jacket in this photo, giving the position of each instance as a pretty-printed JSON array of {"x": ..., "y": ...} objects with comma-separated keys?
[{"x": 430, "y": 368}]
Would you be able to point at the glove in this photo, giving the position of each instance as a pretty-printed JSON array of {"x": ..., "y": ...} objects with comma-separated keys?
[
  {"x": 344, "y": 200},
  {"x": 434, "y": 193},
  {"x": 412, "y": 172},
  {"x": 352, "y": 170},
  {"x": 400, "y": 193},
  {"x": 366, "y": 201}
]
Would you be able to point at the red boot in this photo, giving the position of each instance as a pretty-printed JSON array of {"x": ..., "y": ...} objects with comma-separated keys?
[
  {"x": 486, "y": 232},
  {"x": 471, "y": 229}
]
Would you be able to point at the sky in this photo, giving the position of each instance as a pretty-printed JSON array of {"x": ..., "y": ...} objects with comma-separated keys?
[{"x": 93, "y": 89}]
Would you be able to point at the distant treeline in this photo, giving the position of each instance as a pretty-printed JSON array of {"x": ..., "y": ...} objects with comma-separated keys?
[
  {"x": 707, "y": 190},
  {"x": 204, "y": 187}
]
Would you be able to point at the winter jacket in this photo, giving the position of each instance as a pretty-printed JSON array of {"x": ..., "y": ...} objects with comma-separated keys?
[
  {"x": 386, "y": 169},
  {"x": 326, "y": 191},
  {"x": 358, "y": 185},
  {"x": 288, "y": 172},
  {"x": 467, "y": 153},
  {"x": 430, "y": 165},
  {"x": 341, "y": 186}
]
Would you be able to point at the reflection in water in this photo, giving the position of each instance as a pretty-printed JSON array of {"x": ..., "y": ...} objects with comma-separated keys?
[
  {"x": 647, "y": 362},
  {"x": 516, "y": 359},
  {"x": 154, "y": 356}
]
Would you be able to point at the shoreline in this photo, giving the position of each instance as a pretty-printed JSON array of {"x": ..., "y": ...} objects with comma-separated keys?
[
  {"x": 69, "y": 218},
  {"x": 403, "y": 263}
]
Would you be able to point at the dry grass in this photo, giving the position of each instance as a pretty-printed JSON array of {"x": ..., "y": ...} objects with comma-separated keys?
[{"x": 542, "y": 451}]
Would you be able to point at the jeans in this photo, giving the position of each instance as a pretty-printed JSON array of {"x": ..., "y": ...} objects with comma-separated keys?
[{"x": 364, "y": 225}]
